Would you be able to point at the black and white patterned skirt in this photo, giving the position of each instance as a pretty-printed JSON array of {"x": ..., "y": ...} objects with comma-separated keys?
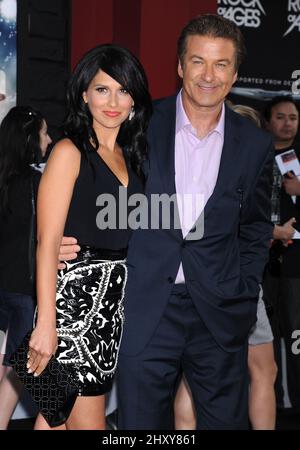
[{"x": 90, "y": 317}]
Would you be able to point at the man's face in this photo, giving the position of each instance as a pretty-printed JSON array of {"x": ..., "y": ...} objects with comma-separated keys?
[
  {"x": 284, "y": 123},
  {"x": 208, "y": 71}
]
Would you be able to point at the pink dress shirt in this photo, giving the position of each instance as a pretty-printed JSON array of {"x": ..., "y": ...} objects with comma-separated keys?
[{"x": 197, "y": 162}]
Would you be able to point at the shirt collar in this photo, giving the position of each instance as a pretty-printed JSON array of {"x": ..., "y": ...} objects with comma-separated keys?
[{"x": 182, "y": 120}]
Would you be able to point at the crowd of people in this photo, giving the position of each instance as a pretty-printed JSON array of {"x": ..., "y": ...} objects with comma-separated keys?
[{"x": 187, "y": 315}]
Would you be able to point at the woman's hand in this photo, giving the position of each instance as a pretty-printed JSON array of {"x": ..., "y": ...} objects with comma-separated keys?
[{"x": 42, "y": 346}]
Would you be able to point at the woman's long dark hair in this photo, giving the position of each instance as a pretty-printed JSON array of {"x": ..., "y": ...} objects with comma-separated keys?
[
  {"x": 19, "y": 147},
  {"x": 120, "y": 64}
]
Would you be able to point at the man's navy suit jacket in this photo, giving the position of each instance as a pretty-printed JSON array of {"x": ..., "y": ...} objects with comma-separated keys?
[{"x": 222, "y": 269}]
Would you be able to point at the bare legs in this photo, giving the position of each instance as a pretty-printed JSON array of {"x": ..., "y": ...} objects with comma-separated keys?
[
  {"x": 262, "y": 408},
  {"x": 263, "y": 370},
  {"x": 88, "y": 413},
  {"x": 10, "y": 390},
  {"x": 185, "y": 417}
]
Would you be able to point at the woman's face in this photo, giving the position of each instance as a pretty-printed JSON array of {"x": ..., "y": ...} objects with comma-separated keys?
[
  {"x": 109, "y": 103},
  {"x": 45, "y": 139}
]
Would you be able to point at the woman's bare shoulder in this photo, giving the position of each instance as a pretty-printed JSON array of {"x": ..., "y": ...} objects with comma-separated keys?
[
  {"x": 65, "y": 155},
  {"x": 65, "y": 151},
  {"x": 66, "y": 146}
]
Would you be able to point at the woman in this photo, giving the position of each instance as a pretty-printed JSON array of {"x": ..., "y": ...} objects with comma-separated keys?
[
  {"x": 81, "y": 319},
  {"x": 24, "y": 141}
]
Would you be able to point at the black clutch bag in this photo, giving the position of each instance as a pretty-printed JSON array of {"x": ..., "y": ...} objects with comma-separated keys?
[{"x": 54, "y": 391}]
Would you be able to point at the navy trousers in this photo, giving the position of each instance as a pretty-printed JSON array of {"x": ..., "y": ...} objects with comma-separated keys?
[{"x": 181, "y": 343}]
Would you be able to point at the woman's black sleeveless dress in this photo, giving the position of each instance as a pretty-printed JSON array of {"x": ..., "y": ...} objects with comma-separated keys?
[{"x": 90, "y": 290}]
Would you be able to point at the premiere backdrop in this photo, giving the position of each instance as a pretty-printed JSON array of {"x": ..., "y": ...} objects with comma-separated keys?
[
  {"x": 272, "y": 33},
  {"x": 8, "y": 65}
]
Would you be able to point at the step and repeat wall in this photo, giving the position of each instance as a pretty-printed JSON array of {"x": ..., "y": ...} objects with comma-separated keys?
[
  {"x": 8, "y": 55},
  {"x": 272, "y": 33}
]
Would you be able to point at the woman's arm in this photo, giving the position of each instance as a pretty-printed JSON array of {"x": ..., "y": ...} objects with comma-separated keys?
[{"x": 54, "y": 197}]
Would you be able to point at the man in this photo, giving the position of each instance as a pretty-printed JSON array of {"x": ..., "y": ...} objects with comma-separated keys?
[
  {"x": 191, "y": 301},
  {"x": 282, "y": 280}
]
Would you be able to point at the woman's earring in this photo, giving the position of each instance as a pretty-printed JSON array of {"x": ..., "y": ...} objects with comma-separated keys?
[{"x": 132, "y": 113}]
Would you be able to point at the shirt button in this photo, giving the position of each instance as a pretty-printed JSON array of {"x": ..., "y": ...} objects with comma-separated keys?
[{"x": 170, "y": 280}]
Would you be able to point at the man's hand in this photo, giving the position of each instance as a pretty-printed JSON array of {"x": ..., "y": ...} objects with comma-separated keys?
[
  {"x": 285, "y": 232},
  {"x": 291, "y": 184},
  {"x": 68, "y": 250}
]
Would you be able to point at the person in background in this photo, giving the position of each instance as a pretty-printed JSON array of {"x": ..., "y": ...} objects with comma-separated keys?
[
  {"x": 261, "y": 363},
  {"x": 282, "y": 279},
  {"x": 24, "y": 141}
]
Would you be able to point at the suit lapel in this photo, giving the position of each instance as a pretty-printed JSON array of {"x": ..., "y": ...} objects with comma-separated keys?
[{"x": 165, "y": 145}]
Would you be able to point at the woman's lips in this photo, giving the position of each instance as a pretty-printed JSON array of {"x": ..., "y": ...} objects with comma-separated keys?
[{"x": 112, "y": 113}]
